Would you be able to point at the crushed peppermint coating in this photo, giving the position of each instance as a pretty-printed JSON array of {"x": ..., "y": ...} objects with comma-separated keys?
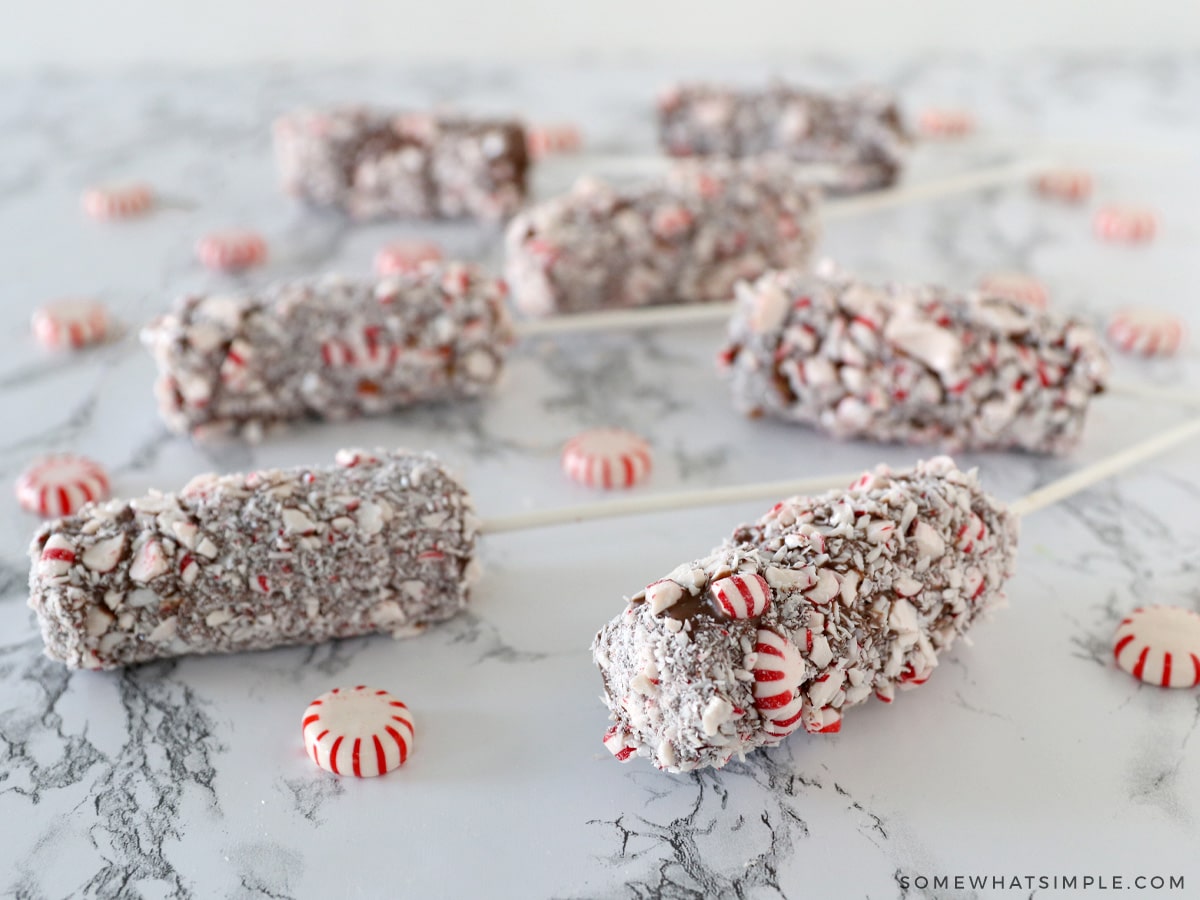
[
  {"x": 1160, "y": 645},
  {"x": 60, "y": 484},
  {"x": 330, "y": 348},
  {"x": 911, "y": 364},
  {"x": 70, "y": 324},
  {"x": 380, "y": 542},
  {"x": 686, "y": 239},
  {"x": 868, "y": 586},
  {"x": 857, "y": 138},
  {"x": 359, "y": 731},
  {"x": 372, "y": 164}
]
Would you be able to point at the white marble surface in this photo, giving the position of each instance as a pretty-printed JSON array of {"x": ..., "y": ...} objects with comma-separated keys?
[{"x": 1027, "y": 754}]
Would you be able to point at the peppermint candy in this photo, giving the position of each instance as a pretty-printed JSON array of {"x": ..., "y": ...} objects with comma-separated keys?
[
  {"x": 70, "y": 323},
  {"x": 778, "y": 674},
  {"x": 231, "y": 250},
  {"x": 59, "y": 485},
  {"x": 358, "y": 731},
  {"x": 117, "y": 201},
  {"x": 1070, "y": 185},
  {"x": 545, "y": 140},
  {"x": 405, "y": 256},
  {"x": 1160, "y": 645},
  {"x": 946, "y": 123},
  {"x": 1125, "y": 223},
  {"x": 616, "y": 741},
  {"x": 607, "y": 458},
  {"x": 741, "y": 596},
  {"x": 1015, "y": 286},
  {"x": 1146, "y": 332}
]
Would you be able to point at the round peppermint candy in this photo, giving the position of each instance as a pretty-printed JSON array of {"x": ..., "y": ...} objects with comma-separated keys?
[
  {"x": 1125, "y": 223},
  {"x": 60, "y": 485},
  {"x": 405, "y": 256},
  {"x": 1070, "y": 185},
  {"x": 607, "y": 458},
  {"x": 1160, "y": 645},
  {"x": 1015, "y": 286},
  {"x": 121, "y": 201},
  {"x": 232, "y": 249},
  {"x": 1146, "y": 332},
  {"x": 358, "y": 731},
  {"x": 946, "y": 123},
  {"x": 70, "y": 323},
  {"x": 544, "y": 140}
]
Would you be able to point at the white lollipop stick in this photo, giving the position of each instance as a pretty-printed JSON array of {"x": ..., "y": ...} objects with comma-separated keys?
[
  {"x": 1084, "y": 478},
  {"x": 1052, "y": 493},
  {"x": 589, "y": 512},
  {"x": 626, "y": 319},
  {"x": 991, "y": 176}
]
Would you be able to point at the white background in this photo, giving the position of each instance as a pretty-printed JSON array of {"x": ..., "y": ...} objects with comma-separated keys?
[{"x": 83, "y": 33}]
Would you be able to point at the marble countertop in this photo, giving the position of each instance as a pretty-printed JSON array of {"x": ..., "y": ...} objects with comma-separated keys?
[{"x": 1028, "y": 753}]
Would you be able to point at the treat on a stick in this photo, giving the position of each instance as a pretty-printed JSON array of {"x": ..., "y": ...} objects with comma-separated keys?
[
  {"x": 847, "y": 595},
  {"x": 911, "y": 364},
  {"x": 372, "y": 164},
  {"x": 379, "y": 542},
  {"x": 840, "y": 597},
  {"x": 329, "y": 348},
  {"x": 686, "y": 239},
  {"x": 835, "y": 599},
  {"x": 857, "y": 137}
]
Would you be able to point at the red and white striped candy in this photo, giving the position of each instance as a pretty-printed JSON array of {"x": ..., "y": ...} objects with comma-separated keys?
[
  {"x": 59, "y": 485},
  {"x": 741, "y": 596},
  {"x": 405, "y": 256},
  {"x": 358, "y": 731},
  {"x": 1130, "y": 224},
  {"x": 1147, "y": 332},
  {"x": 1160, "y": 645},
  {"x": 1071, "y": 185},
  {"x": 607, "y": 458},
  {"x": 233, "y": 249},
  {"x": 1015, "y": 286},
  {"x": 616, "y": 740},
  {"x": 117, "y": 201},
  {"x": 543, "y": 140},
  {"x": 778, "y": 674},
  {"x": 943, "y": 123},
  {"x": 70, "y": 323}
]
